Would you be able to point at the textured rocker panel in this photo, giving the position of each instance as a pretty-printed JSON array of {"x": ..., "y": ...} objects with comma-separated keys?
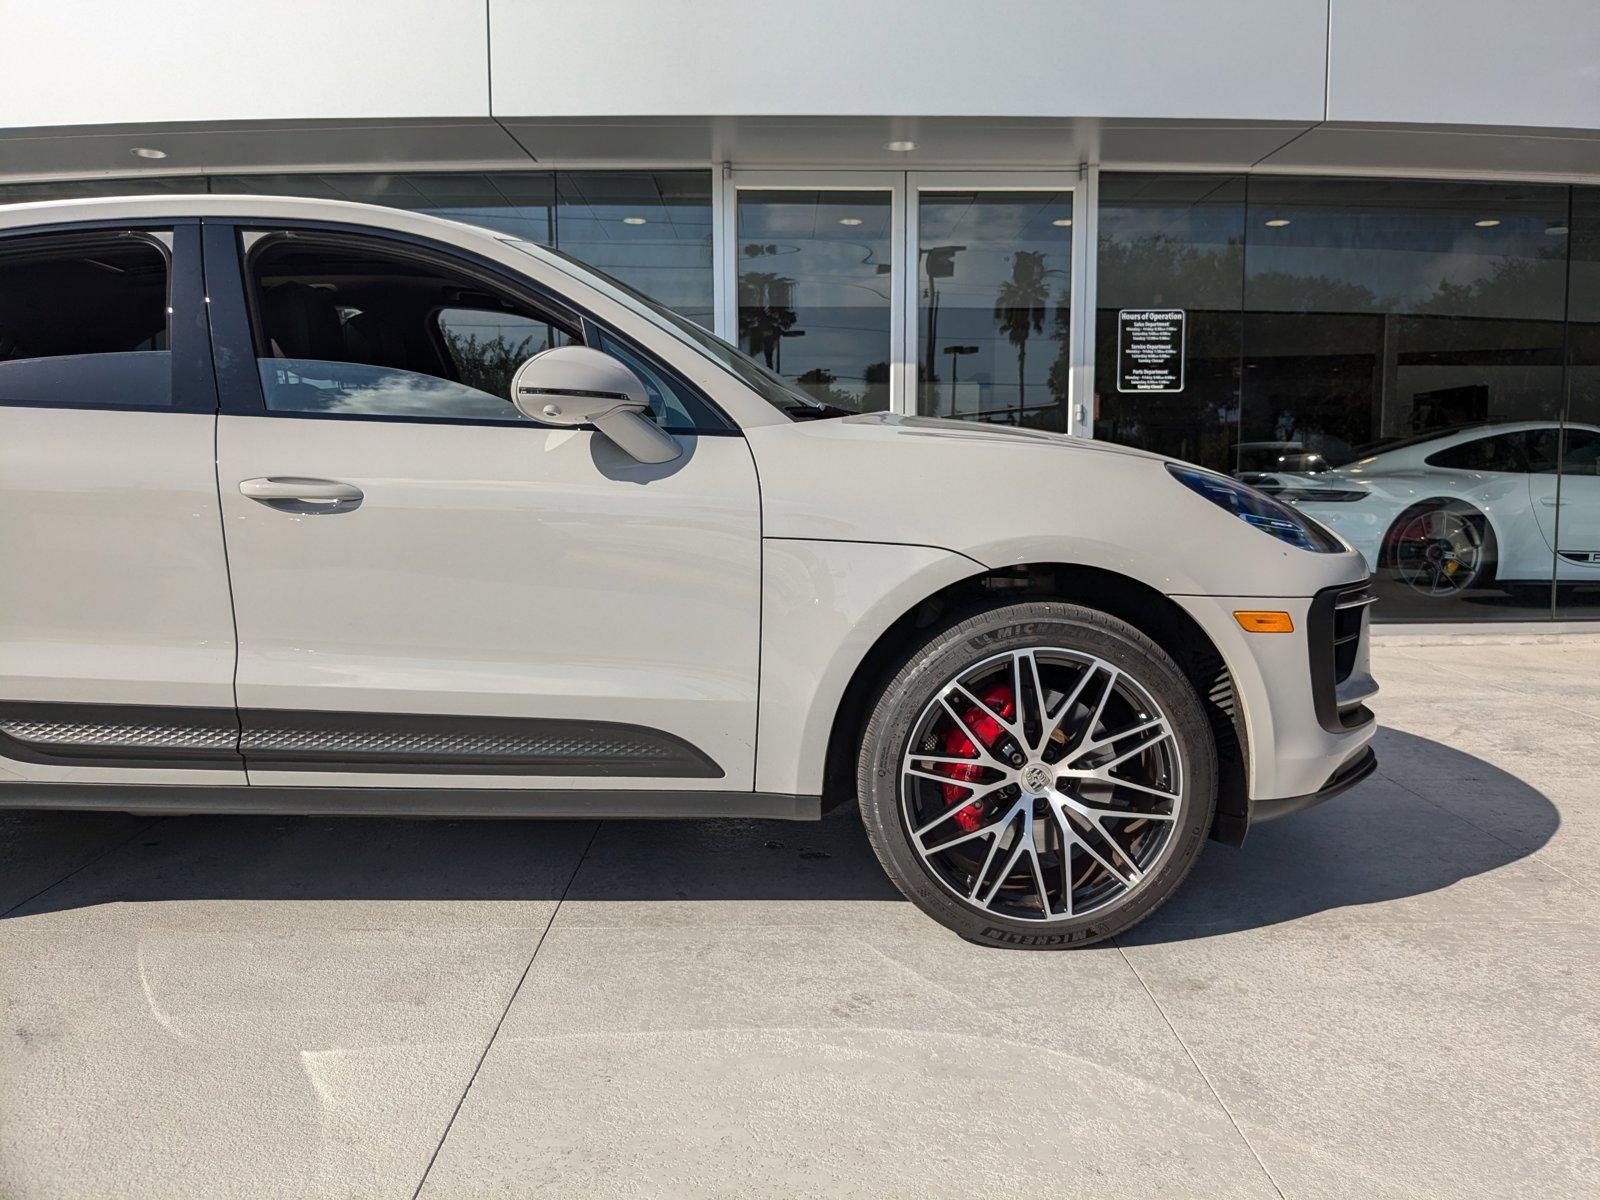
[
  {"x": 85, "y": 734},
  {"x": 144, "y": 736},
  {"x": 115, "y": 735},
  {"x": 290, "y": 740}
]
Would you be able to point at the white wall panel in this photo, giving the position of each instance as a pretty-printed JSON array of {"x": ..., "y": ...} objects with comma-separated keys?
[
  {"x": 1466, "y": 62},
  {"x": 87, "y": 62},
  {"x": 1222, "y": 59}
]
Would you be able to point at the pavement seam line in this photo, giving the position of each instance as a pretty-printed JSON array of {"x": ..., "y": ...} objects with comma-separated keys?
[
  {"x": 1199, "y": 1070},
  {"x": 83, "y": 866},
  {"x": 1516, "y": 691},
  {"x": 515, "y": 992},
  {"x": 1527, "y": 855}
]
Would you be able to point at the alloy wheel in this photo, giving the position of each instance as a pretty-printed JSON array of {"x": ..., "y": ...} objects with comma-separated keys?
[
  {"x": 1439, "y": 552},
  {"x": 1042, "y": 785}
]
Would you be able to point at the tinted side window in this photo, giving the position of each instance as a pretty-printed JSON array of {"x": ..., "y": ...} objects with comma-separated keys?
[
  {"x": 1502, "y": 452},
  {"x": 359, "y": 329},
  {"x": 673, "y": 404},
  {"x": 84, "y": 321},
  {"x": 1583, "y": 452},
  {"x": 487, "y": 346}
]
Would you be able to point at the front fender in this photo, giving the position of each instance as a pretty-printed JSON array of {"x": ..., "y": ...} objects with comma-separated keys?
[
  {"x": 1009, "y": 500},
  {"x": 824, "y": 605}
]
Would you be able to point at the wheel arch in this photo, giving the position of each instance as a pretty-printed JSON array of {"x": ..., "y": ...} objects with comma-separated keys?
[{"x": 1140, "y": 605}]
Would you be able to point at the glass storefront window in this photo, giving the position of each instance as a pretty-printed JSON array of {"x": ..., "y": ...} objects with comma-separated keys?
[
  {"x": 651, "y": 229},
  {"x": 994, "y": 281},
  {"x": 1575, "y": 527},
  {"x": 1173, "y": 242},
  {"x": 1386, "y": 354},
  {"x": 515, "y": 202},
  {"x": 88, "y": 189},
  {"x": 814, "y": 284},
  {"x": 1403, "y": 359}
]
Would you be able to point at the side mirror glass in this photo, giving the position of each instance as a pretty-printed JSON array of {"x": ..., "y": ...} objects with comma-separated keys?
[{"x": 574, "y": 385}]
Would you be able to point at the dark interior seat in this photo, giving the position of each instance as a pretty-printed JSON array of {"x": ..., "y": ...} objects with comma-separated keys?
[
  {"x": 371, "y": 339},
  {"x": 301, "y": 321}
]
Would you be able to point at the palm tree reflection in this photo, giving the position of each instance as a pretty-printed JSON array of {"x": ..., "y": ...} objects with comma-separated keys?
[{"x": 1019, "y": 310}]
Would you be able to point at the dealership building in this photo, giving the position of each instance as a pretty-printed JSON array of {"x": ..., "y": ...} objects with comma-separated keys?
[{"x": 1348, "y": 250}]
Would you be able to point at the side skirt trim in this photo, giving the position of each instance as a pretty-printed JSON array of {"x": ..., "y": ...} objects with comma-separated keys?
[
  {"x": 133, "y": 735},
  {"x": 567, "y": 804}
]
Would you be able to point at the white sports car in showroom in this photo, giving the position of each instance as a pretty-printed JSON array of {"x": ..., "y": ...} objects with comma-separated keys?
[{"x": 1449, "y": 512}]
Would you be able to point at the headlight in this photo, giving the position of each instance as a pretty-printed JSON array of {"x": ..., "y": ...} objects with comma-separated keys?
[{"x": 1254, "y": 508}]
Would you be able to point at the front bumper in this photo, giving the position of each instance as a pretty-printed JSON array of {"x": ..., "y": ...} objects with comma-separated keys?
[
  {"x": 1345, "y": 778},
  {"x": 1301, "y": 696}
]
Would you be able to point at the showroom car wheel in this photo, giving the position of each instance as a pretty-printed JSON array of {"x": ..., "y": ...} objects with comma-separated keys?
[
  {"x": 1039, "y": 775},
  {"x": 1442, "y": 549}
]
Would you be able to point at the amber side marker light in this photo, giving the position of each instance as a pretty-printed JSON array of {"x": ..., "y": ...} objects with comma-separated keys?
[{"x": 1264, "y": 622}]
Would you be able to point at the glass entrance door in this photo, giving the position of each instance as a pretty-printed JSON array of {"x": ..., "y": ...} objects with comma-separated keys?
[
  {"x": 954, "y": 294},
  {"x": 992, "y": 301},
  {"x": 816, "y": 282}
]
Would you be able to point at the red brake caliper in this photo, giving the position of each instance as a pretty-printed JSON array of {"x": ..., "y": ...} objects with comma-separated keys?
[{"x": 957, "y": 744}]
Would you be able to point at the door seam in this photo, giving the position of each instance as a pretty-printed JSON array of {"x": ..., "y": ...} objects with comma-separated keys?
[{"x": 222, "y": 522}]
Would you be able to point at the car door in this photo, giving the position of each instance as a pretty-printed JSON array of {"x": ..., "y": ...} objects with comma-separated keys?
[
  {"x": 116, "y": 636},
  {"x": 1568, "y": 503},
  {"x": 431, "y": 589}
]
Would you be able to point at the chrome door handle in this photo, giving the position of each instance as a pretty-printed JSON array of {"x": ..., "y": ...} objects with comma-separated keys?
[{"x": 289, "y": 493}]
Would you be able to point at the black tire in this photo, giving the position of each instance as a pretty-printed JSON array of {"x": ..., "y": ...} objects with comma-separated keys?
[{"x": 959, "y": 647}]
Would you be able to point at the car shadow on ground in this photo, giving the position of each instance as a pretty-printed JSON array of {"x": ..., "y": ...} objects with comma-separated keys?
[{"x": 1432, "y": 817}]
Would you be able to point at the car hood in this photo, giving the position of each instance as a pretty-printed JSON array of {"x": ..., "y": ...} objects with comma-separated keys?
[
  {"x": 901, "y": 425},
  {"x": 1004, "y": 496}
]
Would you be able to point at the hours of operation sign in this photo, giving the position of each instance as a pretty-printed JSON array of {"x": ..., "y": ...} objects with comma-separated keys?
[{"x": 1150, "y": 349}]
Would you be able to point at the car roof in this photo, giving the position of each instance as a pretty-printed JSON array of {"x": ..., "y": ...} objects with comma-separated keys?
[
  {"x": 43, "y": 213},
  {"x": 1423, "y": 445}
]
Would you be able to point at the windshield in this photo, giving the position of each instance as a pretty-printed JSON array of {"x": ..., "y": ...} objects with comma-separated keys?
[{"x": 770, "y": 387}]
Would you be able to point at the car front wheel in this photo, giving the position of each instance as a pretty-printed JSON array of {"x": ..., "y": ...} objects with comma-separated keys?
[{"x": 1039, "y": 775}]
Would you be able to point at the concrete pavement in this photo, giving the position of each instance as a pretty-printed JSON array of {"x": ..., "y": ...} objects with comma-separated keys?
[{"x": 1392, "y": 995}]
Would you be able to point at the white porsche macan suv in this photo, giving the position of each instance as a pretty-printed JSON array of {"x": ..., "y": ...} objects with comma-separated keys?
[{"x": 313, "y": 507}]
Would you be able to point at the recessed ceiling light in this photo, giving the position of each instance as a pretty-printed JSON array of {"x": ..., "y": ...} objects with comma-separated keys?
[
  {"x": 1556, "y": 230},
  {"x": 1062, "y": 222},
  {"x": 1487, "y": 223},
  {"x": 1277, "y": 222},
  {"x": 633, "y": 220},
  {"x": 849, "y": 220},
  {"x": 900, "y": 147},
  {"x": 148, "y": 152}
]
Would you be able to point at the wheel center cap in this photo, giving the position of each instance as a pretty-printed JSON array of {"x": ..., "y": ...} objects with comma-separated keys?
[{"x": 1037, "y": 778}]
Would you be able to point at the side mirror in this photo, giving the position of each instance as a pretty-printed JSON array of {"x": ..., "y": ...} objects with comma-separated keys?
[{"x": 574, "y": 385}]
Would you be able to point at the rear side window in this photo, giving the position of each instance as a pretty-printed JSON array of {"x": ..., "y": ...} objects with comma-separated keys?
[
  {"x": 1583, "y": 453},
  {"x": 1506, "y": 452},
  {"x": 84, "y": 321}
]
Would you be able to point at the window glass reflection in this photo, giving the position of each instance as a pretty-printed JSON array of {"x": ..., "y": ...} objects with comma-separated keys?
[
  {"x": 1403, "y": 362},
  {"x": 814, "y": 290},
  {"x": 1578, "y": 535},
  {"x": 515, "y": 202},
  {"x": 651, "y": 230},
  {"x": 994, "y": 281},
  {"x": 1175, "y": 242}
]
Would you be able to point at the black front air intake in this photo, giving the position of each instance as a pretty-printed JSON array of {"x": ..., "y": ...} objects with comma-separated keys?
[{"x": 1333, "y": 635}]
